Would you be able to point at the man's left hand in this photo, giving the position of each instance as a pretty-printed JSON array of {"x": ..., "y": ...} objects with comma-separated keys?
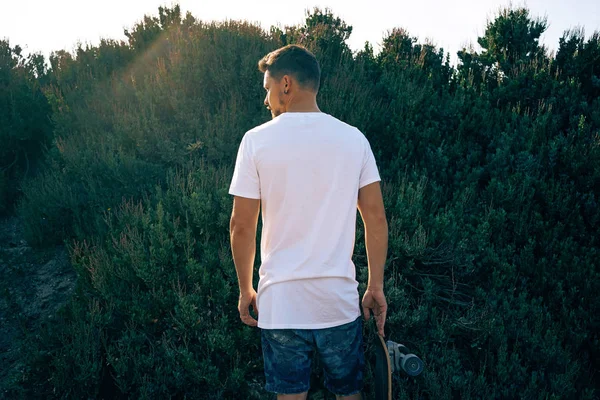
[{"x": 248, "y": 299}]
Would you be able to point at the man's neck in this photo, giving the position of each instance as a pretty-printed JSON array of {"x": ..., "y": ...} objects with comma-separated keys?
[{"x": 303, "y": 105}]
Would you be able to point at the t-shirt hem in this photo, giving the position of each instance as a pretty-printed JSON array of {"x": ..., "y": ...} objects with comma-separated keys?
[
  {"x": 307, "y": 326},
  {"x": 368, "y": 181},
  {"x": 244, "y": 194}
]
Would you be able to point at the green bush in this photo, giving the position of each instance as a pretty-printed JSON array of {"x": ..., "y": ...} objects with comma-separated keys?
[
  {"x": 159, "y": 285},
  {"x": 25, "y": 126},
  {"x": 490, "y": 180}
]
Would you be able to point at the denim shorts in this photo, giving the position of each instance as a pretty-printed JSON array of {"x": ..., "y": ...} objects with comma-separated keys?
[{"x": 288, "y": 353}]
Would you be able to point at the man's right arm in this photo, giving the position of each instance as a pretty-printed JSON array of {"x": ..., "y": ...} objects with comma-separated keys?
[{"x": 370, "y": 206}]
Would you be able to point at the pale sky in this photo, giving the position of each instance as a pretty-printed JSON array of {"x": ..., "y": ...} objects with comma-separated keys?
[{"x": 47, "y": 25}]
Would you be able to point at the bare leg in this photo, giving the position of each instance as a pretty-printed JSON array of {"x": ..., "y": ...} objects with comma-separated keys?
[
  {"x": 299, "y": 396},
  {"x": 357, "y": 396}
]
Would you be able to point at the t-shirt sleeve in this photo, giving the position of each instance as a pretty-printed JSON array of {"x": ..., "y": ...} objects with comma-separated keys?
[
  {"x": 369, "y": 172},
  {"x": 245, "y": 181}
]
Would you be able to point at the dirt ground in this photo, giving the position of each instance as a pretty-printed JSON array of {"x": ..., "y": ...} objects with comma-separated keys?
[{"x": 34, "y": 284}]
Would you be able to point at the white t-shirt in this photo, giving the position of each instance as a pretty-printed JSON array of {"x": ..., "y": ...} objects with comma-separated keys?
[{"x": 306, "y": 168}]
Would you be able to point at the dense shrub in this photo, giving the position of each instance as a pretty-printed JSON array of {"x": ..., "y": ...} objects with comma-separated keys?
[
  {"x": 490, "y": 177},
  {"x": 25, "y": 127}
]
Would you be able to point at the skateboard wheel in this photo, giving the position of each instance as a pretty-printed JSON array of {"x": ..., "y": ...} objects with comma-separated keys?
[{"x": 412, "y": 364}]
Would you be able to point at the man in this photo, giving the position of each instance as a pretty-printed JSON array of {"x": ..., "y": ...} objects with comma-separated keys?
[{"x": 309, "y": 172}]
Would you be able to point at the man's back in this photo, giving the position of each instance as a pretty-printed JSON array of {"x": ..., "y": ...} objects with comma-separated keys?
[{"x": 307, "y": 169}]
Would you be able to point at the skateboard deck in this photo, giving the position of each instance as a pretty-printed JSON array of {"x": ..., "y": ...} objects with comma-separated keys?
[{"x": 382, "y": 373}]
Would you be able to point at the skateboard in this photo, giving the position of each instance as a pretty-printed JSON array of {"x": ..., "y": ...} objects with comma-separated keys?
[
  {"x": 389, "y": 358},
  {"x": 382, "y": 373}
]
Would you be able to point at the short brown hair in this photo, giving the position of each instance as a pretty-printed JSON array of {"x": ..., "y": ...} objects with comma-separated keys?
[{"x": 293, "y": 60}]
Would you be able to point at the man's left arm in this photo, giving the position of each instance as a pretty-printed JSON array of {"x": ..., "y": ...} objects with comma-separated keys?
[{"x": 242, "y": 227}]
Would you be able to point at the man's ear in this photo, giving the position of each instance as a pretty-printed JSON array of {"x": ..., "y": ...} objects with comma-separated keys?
[{"x": 287, "y": 83}]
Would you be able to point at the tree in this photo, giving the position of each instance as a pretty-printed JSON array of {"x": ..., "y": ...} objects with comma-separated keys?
[
  {"x": 509, "y": 44},
  {"x": 25, "y": 126},
  {"x": 149, "y": 29},
  {"x": 325, "y": 35},
  {"x": 579, "y": 59},
  {"x": 512, "y": 39},
  {"x": 400, "y": 51}
]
